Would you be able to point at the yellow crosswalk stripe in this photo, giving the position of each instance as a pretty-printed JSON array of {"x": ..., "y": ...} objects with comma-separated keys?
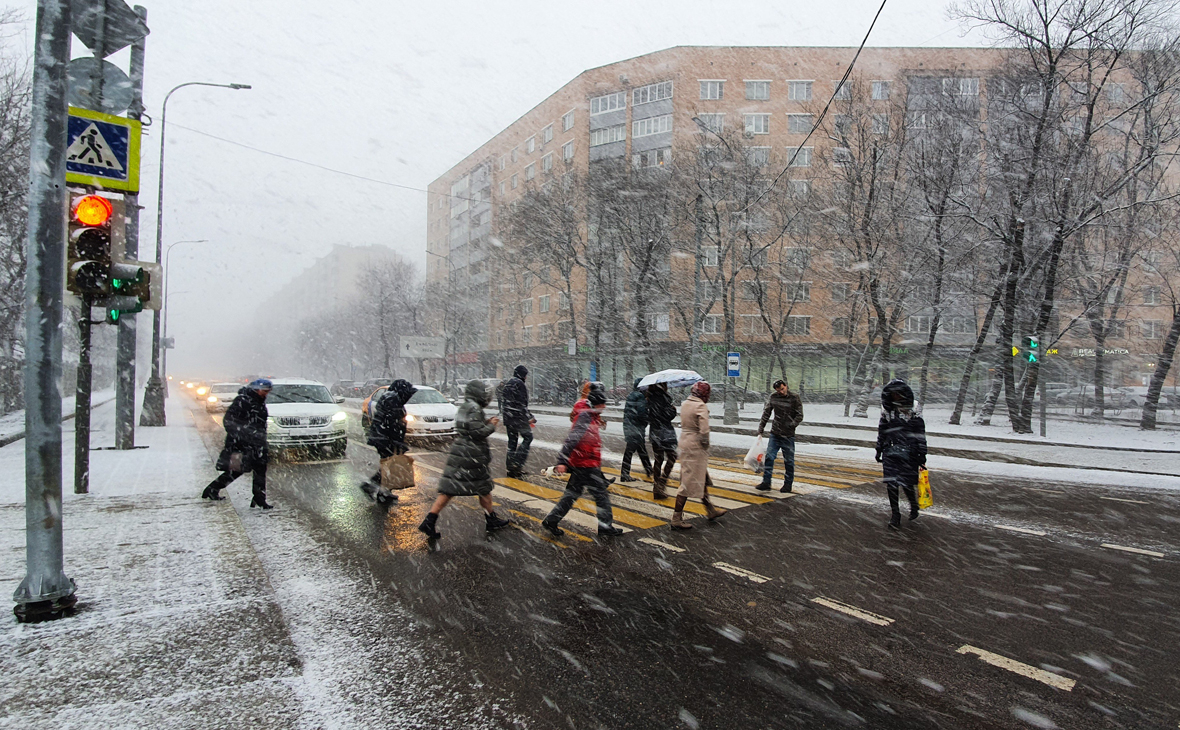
[
  {"x": 627, "y": 517},
  {"x": 714, "y": 490}
]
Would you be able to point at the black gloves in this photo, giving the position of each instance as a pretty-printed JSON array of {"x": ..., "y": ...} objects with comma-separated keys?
[{"x": 878, "y": 456}]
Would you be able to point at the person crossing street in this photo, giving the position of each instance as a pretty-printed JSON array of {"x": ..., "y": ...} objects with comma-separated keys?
[
  {"x": 581, "y": 456},
  {"x": 660, "y": 414},
  {"x": 245, "y": 443},
  {"x": 518, "y": 421},
  {"x": 634, "y": 432},
  {"x": 387, "y": 433},
  {"x": 786, "y": 410},
  {"x": 901, "y": 447},
  {"x": 694, "y": 457}
]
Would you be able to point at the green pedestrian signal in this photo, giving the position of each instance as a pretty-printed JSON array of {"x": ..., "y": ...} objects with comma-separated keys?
[{"x": 1033, "y": 344}]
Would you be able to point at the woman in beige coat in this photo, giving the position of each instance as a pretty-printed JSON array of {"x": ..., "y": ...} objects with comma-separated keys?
[{"x": 694, "y": 457}]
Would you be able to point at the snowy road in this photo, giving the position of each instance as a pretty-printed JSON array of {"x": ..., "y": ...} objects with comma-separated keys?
[{"x": 1015, "y": 602}]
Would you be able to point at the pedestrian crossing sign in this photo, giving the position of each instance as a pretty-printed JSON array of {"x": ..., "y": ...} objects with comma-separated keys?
[{"x": 102, "y": 150}]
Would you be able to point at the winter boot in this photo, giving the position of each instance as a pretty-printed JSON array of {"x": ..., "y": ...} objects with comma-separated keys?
[
  {"x": 369, "y": 488},
  {"x": 427, "y": 527},
  {"x": 895, "y": 522},
  {"x": 260, "y": 501},
  {"x": 659, "y": 491},
  {"x": 609, "y": 530},
  {"x": 384, "y": 496},
  {"x": 550, "y": 524},
  {"x": 786, "y": 487},
  {"x": 624, "y": 477},
  {"x": 913, "y": 512},
  {"x": 678, "y": 522},
  {"x": 212, "y": 492},
  {"x": 495, "y": 522},
  {"x": 711, "y": 512}
]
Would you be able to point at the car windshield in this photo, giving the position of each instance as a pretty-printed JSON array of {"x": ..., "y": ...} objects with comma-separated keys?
[
  {"x": 226, "y": 388},
  {"x": 299, "y": 394},
  {"x": 427, "y": 395}
]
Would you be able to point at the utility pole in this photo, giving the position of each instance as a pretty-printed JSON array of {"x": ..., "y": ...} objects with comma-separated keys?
[{"x": 45, "y": 592}]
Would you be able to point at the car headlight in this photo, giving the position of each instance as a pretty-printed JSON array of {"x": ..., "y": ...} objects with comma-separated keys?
[
  {"x": 340, "y": 416},
  {"x": 410, "y": 418},
  {"x": 212, "y": 399},
  {"x": 202, "y": 391}
]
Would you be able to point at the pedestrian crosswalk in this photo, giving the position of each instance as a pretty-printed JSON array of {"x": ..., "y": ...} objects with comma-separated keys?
[{"x": 636, "y": 508}]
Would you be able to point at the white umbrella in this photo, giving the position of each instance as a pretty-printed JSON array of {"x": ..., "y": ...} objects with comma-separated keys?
[{"x": 674, "y": 378}]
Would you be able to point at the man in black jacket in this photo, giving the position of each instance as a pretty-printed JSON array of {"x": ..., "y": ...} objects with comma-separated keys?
[
  {"x": 787, "y": 411},
  {"x": 387, "y": 433},
  {"x": 245, "y": 443},
  {"x": 518, "y": 421},
  {"x": 634, "y": 432}
]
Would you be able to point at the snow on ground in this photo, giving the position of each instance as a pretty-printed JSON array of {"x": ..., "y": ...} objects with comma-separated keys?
[{"x": 12, "y": 425}]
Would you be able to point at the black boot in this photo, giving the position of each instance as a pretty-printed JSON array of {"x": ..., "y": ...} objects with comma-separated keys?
[
  {"x": 495, "y": 522},
  {"x": 384, "y": 496},
  {"x": 369, "y": 489},
  {"x": 427, "y": 527},
  {"x": 260, "y": 501},
  {"x": 550, "y": 524},
  {"x": 212, "y": 492}
]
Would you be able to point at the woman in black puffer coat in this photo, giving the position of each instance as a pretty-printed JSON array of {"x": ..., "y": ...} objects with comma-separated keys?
[
  {"x": 901, "y": 446},
  {"x": 387, "y": 433},
  {"x": 467, "y": 472},
  {"x": 660, "y": 414}
]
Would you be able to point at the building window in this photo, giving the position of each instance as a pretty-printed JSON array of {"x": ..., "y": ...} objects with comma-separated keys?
[
  {"x": 839, "y": 293},
  {"x": 841, "y": 260},
  {"x": 843, "y": 91},
  {"x": 799, "y": 123},
  {"x": 753, "y": 325},
  {"x": 880, "y": 124},
  {"x": 758, "y": 156},
  {"x": 751, "y": 291},
  {"x": 514, "y": 182},
  {"x": 712, "y": 254},
  {"x": 651, "y": 158},
  {"x": 531, "y": 171},
  {"x": 657, "y": 322},
  {"x": 968, "y": 87},
  {"x": 797, "y": 326},
  {"x": 563, "y": 301},
  {"x": 502, "y": 163},
  {"x": 713, "y": 122},
  {"x": 567, "y": 151},
  {"x": 547, "y": 134},
  {"x": 651, "y": 125},
  {"x": 608, "y": 103},
  {"x": 515, "y": 154},
  {"x": 530, "y": 145},
  {"x": 1151, "y": 295},
  {"x": 799, "y": 189},
  {"x": 544, "y": 333},
  {"x": 798, "y": 291},
  {"x": 797, "y": 258},
  {"x": 547, "y": 162},
  {"x": 841, "y": 156},
  {"x": 757, "y": 123},
  {"x": 840, "y": 327},
  {"x": 712, "y": 90},
  {"x": 963, "y": 326},
  {"x": 526, "y": 307},
  {"x": 798, "y": 91},
  {"x": 502, "y": 186},
  {"x": 799, "y": 156},
  {"x": 918, "y": 324},
  {"x": 916, "y": 120},
  {"x": 565, "y": 329},
  {"x": 607, "y": 135},
  {"x": 758, "y": 90},
  {"x": 543, "y": 303},
  {"x": 567, "y": 121},
  {"x": 1116, "y": 93},
  {"x": 526, "y": 337},
  {"x": 1153, "y": 329},
  {"x": 711, "y": 325},
  {"x": 880, "y": 91},
  {"x": 651, "y": 92}
]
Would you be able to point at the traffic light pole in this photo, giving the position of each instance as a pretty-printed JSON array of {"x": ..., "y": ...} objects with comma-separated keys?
[
  {"x": 82, "y": 403},
  {"x": 45, "y": 592}
]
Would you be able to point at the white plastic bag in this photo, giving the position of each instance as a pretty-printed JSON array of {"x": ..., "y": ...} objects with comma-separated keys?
[{"x": 756, "y": 455}]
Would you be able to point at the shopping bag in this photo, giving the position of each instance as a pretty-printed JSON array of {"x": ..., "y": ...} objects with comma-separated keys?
[
  {"x": 397, "y": 472},
  {"x": 756, "y": 455},
  {"x": 229, "y": 461},
  {"x": 925, "y": 498}
]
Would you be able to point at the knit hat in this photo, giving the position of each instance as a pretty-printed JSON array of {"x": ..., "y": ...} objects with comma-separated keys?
[
  {"x": 261, "y": 384},
  {"x": 702, "y": 390},
  {"x": 596, "y": 397}
]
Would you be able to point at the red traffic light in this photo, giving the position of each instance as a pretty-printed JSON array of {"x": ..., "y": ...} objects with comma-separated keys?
[{"x": 92, "y": 210}]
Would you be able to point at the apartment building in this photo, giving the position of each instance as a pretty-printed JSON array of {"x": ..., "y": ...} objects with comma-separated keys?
[{"x": 641, "y": 112}]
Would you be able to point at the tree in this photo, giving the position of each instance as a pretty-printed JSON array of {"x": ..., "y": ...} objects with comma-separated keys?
[{"x": 15, "y": 97}]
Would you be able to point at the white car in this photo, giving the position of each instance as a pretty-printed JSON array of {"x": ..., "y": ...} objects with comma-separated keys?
[
  {"x": 221, "y": 395},
  {"x": 429, "y": 415},
  {"x": 303, "y": 414}
]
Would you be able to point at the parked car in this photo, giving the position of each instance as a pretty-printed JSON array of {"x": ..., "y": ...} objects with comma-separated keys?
[
  {"x": 345, "y": 388},
  {"x": 220, "y": 396},
  {"x": 1083, "y": 397},
  {"x": 373, "y": 384},
  {"x": 305, "y": 415},
  {"x": 429, "y": 415}
]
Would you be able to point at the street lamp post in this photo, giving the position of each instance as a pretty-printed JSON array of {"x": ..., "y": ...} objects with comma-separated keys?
[
  {"x": 153, "y": 396},
  {"x": 167, "y": 290}
]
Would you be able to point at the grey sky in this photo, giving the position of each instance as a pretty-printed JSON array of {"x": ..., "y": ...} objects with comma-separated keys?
[{"x": 393, "y": 91}]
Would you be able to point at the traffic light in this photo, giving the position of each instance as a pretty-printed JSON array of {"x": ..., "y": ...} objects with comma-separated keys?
[
  {"x": 88, "y": 257},
  {"x": 115, "y": 307},
  {"x": 1033, "y": 345}
]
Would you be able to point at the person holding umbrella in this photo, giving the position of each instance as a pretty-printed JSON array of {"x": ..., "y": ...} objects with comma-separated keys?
[
  {"x": 694, "y": 457},
  {"x": 634, "y": 426},
  {"x": 660, "y": 414}
]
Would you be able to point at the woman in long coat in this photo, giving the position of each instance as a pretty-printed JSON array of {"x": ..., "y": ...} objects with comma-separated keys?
[
  {"x": 901, "y": 447},
  {"x": 467, "y": 472},
  {"x": 694, "y": 456}
]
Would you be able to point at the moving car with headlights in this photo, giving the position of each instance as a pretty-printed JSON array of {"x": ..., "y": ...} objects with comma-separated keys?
[
  {"x": 305, "y": 416},
  {"x": 429, "y": 415},
  {"x": 220, "y": 396}
]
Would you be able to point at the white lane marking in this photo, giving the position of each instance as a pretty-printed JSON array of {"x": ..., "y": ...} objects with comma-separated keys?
[
  {"x": 1138, "y": 551},
  {"x": 662, "y": 545},
  {"x": 853, "y": 611},
  {"x": 858, "y": 500},
  {"x": 742, "y": 572},
  {"x": 1026, "y": 670},
  {"x": 928, "y": 513},
  {"x": 1010, "y": 528},
  {"x": 1120, "y": 499}
]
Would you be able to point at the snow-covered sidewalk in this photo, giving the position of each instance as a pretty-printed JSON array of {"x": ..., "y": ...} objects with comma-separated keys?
[
  {"x": 12, "y": 425},
  {"x": 176, "y": 624}
]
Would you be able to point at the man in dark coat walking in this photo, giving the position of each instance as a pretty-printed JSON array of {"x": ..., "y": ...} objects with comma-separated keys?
[
  {"x": 518, "y": 421},
  {"x": 901, "y": 447},
  {"x": 787, "y": 411},
  {"x": 387, "y": 433},
  {"x": 634, "y": 432},
  {"x": 245, "y": 443}
]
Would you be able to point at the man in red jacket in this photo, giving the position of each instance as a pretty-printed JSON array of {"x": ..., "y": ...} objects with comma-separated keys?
[{"x": 581, "y": 456}]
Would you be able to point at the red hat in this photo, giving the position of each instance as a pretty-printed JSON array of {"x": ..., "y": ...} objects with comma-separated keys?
[{"x": 701, "y": 390}]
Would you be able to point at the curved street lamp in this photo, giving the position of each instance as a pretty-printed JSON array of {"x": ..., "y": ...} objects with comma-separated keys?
[{"x": 153, "y": 396}]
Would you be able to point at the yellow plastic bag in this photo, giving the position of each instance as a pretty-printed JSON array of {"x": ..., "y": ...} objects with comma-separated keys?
[{"x": 925, "y": 498}]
